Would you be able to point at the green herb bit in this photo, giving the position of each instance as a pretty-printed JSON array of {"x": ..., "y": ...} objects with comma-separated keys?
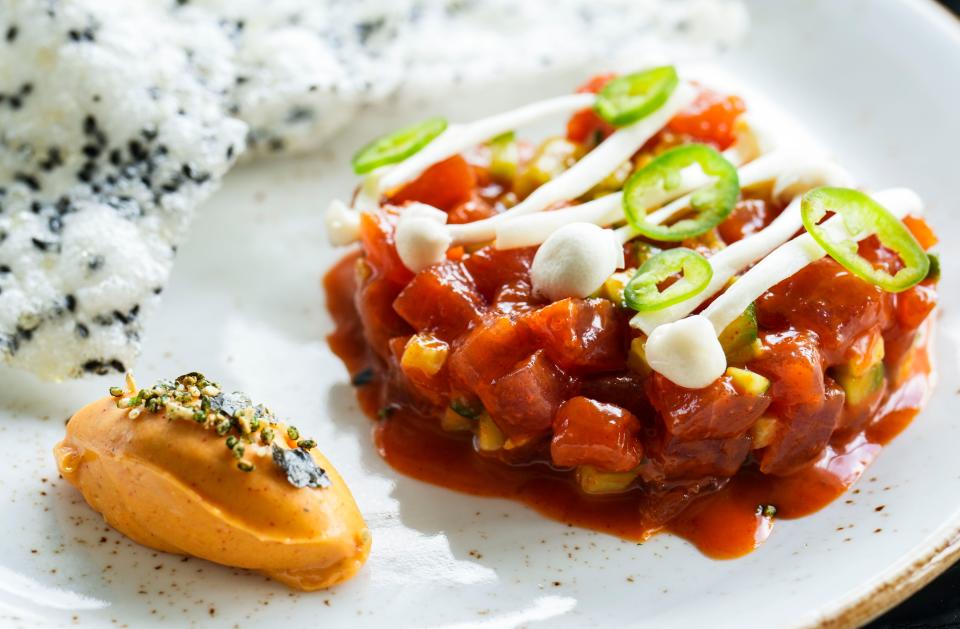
[
  {"x": 293, "y": 433},
  {"x": 766, "y": 510},
  {"x": 385, "y": 412},
  {"x": 245, "y": 420},
  {"x": 180, "y": 413},
  {"x": 245, "y": 466},
  {"x": 307, "y": 444},
  {"x": 461, "y": 408},
  {"x": 266, "y": 436},
  {"x": 238, "y": 451},
  {"x": 933, "y": 274},
  {"x": 232, "y": 442},
  {"x": 116, "y": 391},
  {"x": 363, "y": 377},
  {"x": 222, "y": 426}
]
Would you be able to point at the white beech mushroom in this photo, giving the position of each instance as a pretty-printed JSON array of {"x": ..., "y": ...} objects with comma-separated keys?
[{"x": 575, "y": 261}]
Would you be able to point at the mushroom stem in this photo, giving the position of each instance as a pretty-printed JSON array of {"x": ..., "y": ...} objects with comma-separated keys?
[
  {"x": 586, "y": 173},
  {"x": 730, "y": 260},
  {"x": 460, "y": 137}
]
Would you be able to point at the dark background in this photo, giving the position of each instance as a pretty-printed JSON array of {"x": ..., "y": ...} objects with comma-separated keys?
[{"x": 938, "y": 605}]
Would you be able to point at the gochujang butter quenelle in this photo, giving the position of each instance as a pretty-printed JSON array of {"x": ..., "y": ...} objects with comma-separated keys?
[{"x": 185, "y": 468}]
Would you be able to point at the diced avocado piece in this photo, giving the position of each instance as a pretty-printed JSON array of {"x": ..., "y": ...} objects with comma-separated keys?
[
  {"x": 872, "y": 354},
  {"x": 594, "y": 481},
  {"x": 489, "y": 436},
  {"x": 861, "y": 388},
  {"x": 452, "y": 421},
  {"x": 513, "y": 443},
  {"x": 739, "y": 338},
  {"x": 746, "y": 353},
  {"x": 748, "y": 382},
  {"x": 552, "y": 157},
  {"x": 933, "y": 273},
  {"x": 612, "y": 182},
  {"x": 464, "y": 408},
  {"x": 637, "y": 357},
  {"x": 614, "y": 285},
  {"x": 504, "y": 156}
]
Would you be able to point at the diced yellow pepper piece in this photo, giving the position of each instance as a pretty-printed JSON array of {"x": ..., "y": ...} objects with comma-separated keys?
[
  {"x": 552, "y": 157},
  {"x": 612, "y": 182},
  {"x": 452, "y": 421},
  {"x": 637, "y": 358},
  {"x": 594, "y": 481},
  {"x": 614, "y": 285},
  {"x": 489, "y": 435},
  {"x": 763, "y": 431},
  {"x": 426, "y": 353}
]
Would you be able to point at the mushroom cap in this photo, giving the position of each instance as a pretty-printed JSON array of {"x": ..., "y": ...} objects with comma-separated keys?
[
  {"x": 575, "y": 261},
  {"x": 687, "y": 352},
  {"x": 342, "y": 223},
  {"x": 422, "y": 236}
]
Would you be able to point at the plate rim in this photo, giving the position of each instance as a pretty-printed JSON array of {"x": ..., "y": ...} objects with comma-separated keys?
[{"x": 941, "y": 549}]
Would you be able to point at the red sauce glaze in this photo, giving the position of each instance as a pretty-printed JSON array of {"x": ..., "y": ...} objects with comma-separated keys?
[
  {"x": 720, "y": 517},
  {"x": 716, "y": 466}
]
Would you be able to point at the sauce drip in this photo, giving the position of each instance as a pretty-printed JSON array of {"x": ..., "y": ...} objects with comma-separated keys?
[{"x": 723, "y": 522}]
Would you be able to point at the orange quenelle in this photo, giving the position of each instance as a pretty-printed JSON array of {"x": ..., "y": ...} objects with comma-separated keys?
[{"x": 173, "y": 486}]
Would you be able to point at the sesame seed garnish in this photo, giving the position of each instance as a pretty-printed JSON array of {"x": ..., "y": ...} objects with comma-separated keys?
[{"x": 241, "y": 424}]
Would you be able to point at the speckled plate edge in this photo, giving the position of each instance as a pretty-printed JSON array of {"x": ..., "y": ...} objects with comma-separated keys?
[{"x": 942, "y": 548}]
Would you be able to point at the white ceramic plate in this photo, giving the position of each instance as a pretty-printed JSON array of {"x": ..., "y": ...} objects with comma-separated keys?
[{"x": 876, "y": 80}]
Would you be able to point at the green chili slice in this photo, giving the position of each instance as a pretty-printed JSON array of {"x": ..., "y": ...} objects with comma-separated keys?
[
  {"x": 710, "y": 205},
  {"x": 397, "y": 146},
  {"x": 861, "y": 215},
  {"x": 643, "y": 293},
  {"x": 629, "y": 98}
]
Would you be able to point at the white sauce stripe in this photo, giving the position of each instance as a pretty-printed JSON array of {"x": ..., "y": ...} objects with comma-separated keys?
[
  {"x": 458, "y": 138},
  {"x": 530, "y": 230},
  {"x": 534, "y": 229},
  {"x": 731, "y": 260},
  {"x": 587, "y": 172},
  {"x": 793, "y": 256},
  {"x": 688, "y": 352},
  {"x": 763, "y": 169}
]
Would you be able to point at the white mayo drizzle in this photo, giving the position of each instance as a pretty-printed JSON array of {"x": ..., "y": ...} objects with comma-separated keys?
[
  {"x": 735, "y": 257},
  {"x": 760, "y": 170},
  {"x": 576, "y": 249},
  {"x": 793, "y": 256},
  {"x": 697, "y": 370},
  {"x": 586, "y": 173},
  {"x": 752, "y": 145},
  {"x": 458, "y": 138}
]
